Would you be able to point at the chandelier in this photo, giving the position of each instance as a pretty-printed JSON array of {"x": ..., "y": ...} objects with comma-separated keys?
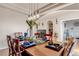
[{"x": 33, "y": 12}]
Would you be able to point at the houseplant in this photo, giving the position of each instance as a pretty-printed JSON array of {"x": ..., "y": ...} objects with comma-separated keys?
[{"x": 31, "y": 23}]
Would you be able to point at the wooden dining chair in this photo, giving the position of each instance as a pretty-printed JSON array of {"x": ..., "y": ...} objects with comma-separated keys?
[
  {"x": 67, "y": 46},
  {"x": 17, "y": 47},
  {"x": 10, "y": 45},
  {"x": 14, "y": 48},
  {"x": 19, "y": 50}
]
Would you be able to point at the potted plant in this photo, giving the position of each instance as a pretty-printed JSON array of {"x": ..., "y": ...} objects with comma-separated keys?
[{"x": 31, "y": 23}]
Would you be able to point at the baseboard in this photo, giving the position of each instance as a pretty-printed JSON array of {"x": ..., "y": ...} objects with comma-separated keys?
[{"x": 3, "y": 48}]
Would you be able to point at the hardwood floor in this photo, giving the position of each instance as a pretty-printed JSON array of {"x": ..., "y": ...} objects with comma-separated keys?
[{"x": 4, "y": 52}]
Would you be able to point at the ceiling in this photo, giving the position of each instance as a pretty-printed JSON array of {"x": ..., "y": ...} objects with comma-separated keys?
[
  {"x": 44, "y": 8},
  {"x": 23, "y": 7},
  {"x": 74, "y": 6}
]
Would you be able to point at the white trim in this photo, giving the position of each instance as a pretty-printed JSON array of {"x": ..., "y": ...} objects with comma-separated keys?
[
  {"x": 14, "y": 8},
  {"x": 3, "y": 48},
  {"x": 55, "y": 10}
]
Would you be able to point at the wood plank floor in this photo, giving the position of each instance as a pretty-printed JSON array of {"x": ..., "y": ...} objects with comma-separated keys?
[{"x": 4, "y": 52}]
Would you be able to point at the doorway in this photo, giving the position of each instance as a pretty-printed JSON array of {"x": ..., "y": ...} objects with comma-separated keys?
[
  {"x": 50, "y": 27},
  {"x": 71, "y": 28}
]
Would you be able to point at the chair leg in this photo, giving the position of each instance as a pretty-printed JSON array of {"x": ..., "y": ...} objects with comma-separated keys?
[{"x": 9, "y": 52}]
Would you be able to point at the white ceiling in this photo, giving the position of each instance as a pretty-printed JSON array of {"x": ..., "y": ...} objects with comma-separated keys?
[
  {"x": 45, "y": 8},
  {"x": 23, "y": 7},
  {"x": 74, "y": 6}
]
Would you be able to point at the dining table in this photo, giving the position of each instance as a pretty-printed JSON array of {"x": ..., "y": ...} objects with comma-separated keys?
[{"x": 41, "y": 50}]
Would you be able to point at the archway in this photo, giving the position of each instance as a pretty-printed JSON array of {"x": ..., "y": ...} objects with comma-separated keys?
[
  {"x": 50, "y": 27},
  {"x": 50, "y": 31}
]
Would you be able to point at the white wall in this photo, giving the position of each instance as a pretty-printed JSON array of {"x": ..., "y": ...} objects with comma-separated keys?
[
  {"x": 10, "y": 22},
  {"x": 69, "y": 25},
  {"x": 66, "y": 16},
  {"x": 60, "y": 16},
  {"x": 45, "y": 26}
]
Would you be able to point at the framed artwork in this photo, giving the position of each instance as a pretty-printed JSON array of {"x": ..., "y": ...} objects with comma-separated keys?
[{"x": 42, "y": 32}]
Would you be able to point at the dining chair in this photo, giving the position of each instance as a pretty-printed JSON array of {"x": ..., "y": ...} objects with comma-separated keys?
[
  {"x": 15, "y": 49},
  {"x": 10, "y": 45},
  {"x": 67, "y": 46},
  {"x": 18, "y": 48}
]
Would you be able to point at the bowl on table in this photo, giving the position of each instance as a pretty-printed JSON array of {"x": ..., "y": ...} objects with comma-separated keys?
[{"x": 28, "y": 44}]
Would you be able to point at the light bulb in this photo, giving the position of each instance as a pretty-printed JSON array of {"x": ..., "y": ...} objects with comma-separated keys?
[
  {"x": 28, "y": 18},
  {"x": 37, "y": 16},
  {"x": 34, "y": 17}
]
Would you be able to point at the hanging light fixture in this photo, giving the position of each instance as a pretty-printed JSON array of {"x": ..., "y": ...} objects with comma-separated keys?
[
  {"x": 37, "y": 12},
  {"x": 33, "y": 15},
  {"x": 34, "y": 8},
  {"x": 29, "y": 12}
]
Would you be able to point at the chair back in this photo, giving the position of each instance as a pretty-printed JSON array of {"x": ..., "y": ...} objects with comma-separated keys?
[
  {"x": 17, "y": 47},
  {"x": 14, "y": 46},
  {"x": 10, "y": 45},
  {"x": 68, "y": 45}
]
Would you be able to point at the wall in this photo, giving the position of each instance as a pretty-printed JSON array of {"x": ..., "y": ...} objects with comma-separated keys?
[
  {"x": 45, "y": 22},
  {"x": 73, "y": 30},
  {"x": 10, "y": 22},
  {"x": 60, "y": 16},
  {"x": 67, "y": 16}
]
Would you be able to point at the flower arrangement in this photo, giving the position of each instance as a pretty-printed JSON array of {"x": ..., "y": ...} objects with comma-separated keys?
[{"x": 31, "y": 23}]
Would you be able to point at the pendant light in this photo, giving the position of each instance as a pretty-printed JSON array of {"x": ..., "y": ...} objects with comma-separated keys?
[
  {"x": 29, "y": 12},
  {"x": 33, "y": 15},
  {"x": 37, "y": 11}
]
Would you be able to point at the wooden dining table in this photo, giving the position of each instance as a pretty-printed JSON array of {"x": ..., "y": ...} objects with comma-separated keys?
[{"x": 41, "y": 50}]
